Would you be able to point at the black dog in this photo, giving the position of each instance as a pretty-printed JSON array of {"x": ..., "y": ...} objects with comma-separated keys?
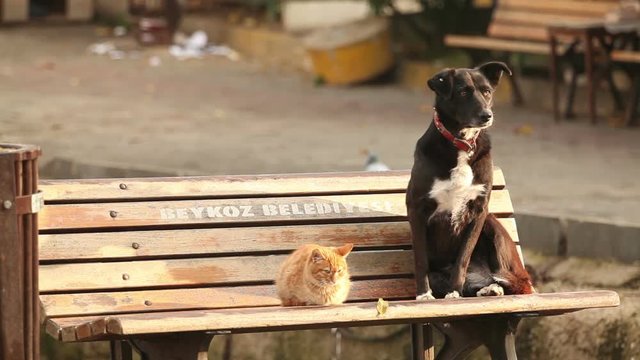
[{"x": 459, "y": 250}]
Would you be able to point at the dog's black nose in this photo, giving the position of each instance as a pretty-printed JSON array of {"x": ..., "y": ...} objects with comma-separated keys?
[{"x": 486, "y": 115}]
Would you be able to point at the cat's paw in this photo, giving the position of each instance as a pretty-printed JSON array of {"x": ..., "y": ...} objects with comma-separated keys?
[
  {"x": 491, "y": 290},
  {"x": 452, "y": 295},
  {"x": 426, "y": 296}
]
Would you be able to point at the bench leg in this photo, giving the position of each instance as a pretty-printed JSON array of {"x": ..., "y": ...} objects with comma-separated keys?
[
  {"x": 191, "y": 346},
  {"x": 516, "y": 92},
  {"x": 462, "y": 337},
  {"x": 615, "y": 93},
  {"x": 571, "y": 95},
  {"x": 422, "y": 342},
  {"x": 632, "y": 105},
  {"x": 121, "y": 350}
]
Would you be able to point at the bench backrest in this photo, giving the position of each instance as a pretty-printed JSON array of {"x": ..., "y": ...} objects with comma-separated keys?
[
  {"x": 529, "y": 19},
  {"x": 138, "y": 245}
]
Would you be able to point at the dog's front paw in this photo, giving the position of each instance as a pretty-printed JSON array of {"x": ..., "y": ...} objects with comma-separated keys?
[
  {"x": 426, "y": 296},
  {"x": 491, "y": 290},
  {"x": 452, "y": 295}
]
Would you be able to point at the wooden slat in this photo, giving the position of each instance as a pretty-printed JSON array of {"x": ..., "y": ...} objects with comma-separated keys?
[
  {"x": 355, "y": 314},
  {"x": 483, "y": 42},
  {"x": 230, "y": 186},
  {"x": 84, "y": 304},
  {"x": 218, "y": 241},
  {"x": 519, "y": 32},
  {"x": 202, "y": 271},
  {"x": 172, "y": 243},
  {"x": 626, "y": 56},
  {"x": 523, "y": 17},
  {"x": 589, "y": 8},
  {"x": 275, "y": 211}
]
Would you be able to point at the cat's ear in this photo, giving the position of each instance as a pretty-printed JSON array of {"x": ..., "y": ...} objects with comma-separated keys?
[
  {"x": 344, "y": 250},
  {"x": 316, "y": 256}
]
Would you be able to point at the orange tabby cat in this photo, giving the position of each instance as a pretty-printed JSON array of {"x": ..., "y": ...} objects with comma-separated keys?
[{"x": 314, "y": 275}]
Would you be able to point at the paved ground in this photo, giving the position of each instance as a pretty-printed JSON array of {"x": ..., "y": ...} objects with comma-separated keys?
[{"x": 215, "y": 116}]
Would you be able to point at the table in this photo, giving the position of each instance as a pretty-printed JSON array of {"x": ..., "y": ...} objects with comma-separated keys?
[{"x": 595, "y": 38}]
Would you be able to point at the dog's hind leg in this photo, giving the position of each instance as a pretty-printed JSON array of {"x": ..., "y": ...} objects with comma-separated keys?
[
  {"x": 497, "y": 333},
  {"x": 460, "y": 339},
  {"x": 501, "y": 338}
]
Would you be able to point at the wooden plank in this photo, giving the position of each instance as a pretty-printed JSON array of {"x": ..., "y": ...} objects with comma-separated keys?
[
  {"x": 510, "y": 225},
  {"x": 524, "y": 17},
  {"x": 230, "y": 186},
  {"x": 626, "y": 56},
  {"x": 276, "y": 211},
  {"x": 185, "y": 242},
  {"x": 519, "y": 32},
  {"x": 267, "y": 319},
  {"x": 483, "y": 42},
  {"x": 203, "y": 271},
  {"x": 13, "y": 283},
  {"x": 85, "y": 304},
  {"x": 353, "y": 314},
  {"x": 132, "y": 244},
  {"x": 590, "y": 8}
]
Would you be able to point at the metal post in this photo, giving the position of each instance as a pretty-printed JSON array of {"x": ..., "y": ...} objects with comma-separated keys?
[{"x": 19, "y": 204}]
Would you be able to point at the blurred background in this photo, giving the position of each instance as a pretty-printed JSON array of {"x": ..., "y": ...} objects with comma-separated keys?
[{"x": 129, "y": 88}]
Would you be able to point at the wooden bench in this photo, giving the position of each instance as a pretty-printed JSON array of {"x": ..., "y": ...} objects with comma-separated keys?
[
  {"x": 521, "y": 26},
  {"x": 167, "y": 263}
]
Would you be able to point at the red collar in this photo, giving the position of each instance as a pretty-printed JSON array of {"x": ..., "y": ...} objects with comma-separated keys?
[{"x": 468, "y": 146}]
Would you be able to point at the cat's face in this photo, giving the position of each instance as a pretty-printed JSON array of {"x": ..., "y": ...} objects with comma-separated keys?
[{"x": 328, "y": 265}]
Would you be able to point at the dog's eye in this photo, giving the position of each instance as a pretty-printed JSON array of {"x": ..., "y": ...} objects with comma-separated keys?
[
  {"x": 463, "y": 93},
  {"x": 486, "y": 92}
]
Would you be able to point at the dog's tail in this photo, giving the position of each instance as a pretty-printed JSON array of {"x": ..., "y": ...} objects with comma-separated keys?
[
  {"x": 512, "y": 276},
  {"x": 514, "y": 283}
]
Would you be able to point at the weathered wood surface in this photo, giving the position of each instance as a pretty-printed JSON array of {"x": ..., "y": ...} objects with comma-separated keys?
[
  {"x": 281, "y": 210},
  {"x": 595, "y": 8},
  {"x": 203, "y": 271},
  {"x": 12, "y": 280},
  {"x": 483, "y": 42},
  {"x": 628, "y": 56},
  {"x": 518, "y": 32},
  {"x": 83, "y": 304},
  {"x": 69, "y": 191},
  {"x": 353, "y": 314},
  {"x": 523, "y": 17},
  {"x": 184, "y": 242}
]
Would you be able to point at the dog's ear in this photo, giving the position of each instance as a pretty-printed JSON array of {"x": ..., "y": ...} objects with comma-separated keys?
[
  {"x": 493, "y": 71},
  {"x": 442, "y": 83}
]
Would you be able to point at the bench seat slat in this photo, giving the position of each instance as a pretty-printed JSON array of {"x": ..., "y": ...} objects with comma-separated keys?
[
  {"x": 571, "y": 7},
  {"x": 353, "y": 314},
  {"x": 275, "y": 211},
  {"x": 83, "y": 304},
  {"x": 484, "y": 42},
  {"x": 524, "y": 17},
  {"x": 174, "y": 243},
  {"x": 203, "y": 271},
  {"x": 95, "y": 190},
  {"x": 627, "y": 56},
  {"x": 518, "y": 32}
]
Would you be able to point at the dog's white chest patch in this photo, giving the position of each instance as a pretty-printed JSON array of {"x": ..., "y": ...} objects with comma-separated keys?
[{"x": 453, "y": 194}]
